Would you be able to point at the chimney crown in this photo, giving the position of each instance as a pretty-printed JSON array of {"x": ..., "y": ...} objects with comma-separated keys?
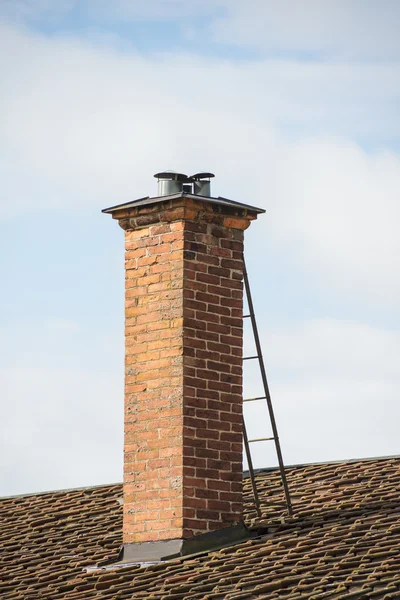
[{"x": 174, "y": 183}]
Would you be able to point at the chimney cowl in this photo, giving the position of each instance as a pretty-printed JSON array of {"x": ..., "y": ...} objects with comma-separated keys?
[
  {"x": 202, "y": 183},
  {"x": 172, "y": 182}
]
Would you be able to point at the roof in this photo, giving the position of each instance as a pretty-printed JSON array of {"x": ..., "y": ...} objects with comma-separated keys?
[
  {"x": 219, "y": 201},
  {"x": 344, "y": 542}
]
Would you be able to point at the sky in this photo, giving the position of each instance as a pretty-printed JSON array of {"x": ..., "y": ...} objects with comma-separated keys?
[{"x": 294, "y": 105}]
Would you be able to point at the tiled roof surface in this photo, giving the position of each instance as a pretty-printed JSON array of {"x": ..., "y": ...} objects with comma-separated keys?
[{"x": 344, "y": 542}]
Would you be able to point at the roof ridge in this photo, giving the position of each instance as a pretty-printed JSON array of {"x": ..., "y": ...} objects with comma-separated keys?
[
  {"x": 325, "y": 462},
  {"x": 63, "y": 490},
  {"x": 245, "y": 474}
]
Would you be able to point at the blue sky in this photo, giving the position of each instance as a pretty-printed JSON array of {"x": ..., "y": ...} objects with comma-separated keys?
[{"x": 294, "y": 106}]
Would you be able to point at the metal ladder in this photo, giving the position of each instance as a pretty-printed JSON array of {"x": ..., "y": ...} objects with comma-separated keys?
[{"x": 267, "y": 398}]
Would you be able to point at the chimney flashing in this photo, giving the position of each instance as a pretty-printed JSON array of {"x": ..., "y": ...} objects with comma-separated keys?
[{"x": 163, "y": 550}]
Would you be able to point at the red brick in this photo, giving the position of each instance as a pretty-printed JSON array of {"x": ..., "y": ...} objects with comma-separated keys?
[{"x": 183, "y": 363}]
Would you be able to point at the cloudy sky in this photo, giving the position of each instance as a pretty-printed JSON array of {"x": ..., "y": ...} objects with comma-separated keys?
[{"x": 294, "y": 105}]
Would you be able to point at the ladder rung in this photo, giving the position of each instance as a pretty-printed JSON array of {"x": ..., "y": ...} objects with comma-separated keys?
[
  {"x": 246, "y": 316},
  {"x": 275, "y": 438},
  {"x": 252, "y": 399}
]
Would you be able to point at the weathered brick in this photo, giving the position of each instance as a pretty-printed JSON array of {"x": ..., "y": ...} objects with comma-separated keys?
[{"x": 184, "y": 268}]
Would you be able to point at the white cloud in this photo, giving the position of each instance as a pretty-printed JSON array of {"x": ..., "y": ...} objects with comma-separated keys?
[
  {"x": 22, "y": 10},
  {"x": 340, "y": 215},
  {"x": 330, "y": 28},
  {"x": 63, "y": 428},
  {"x": 154, "y": 10},
  {"x": 62, "y": 414},
  {"x": 336, "y": 29},
  {"x": 335, "y": 348},
  {"x": 334, "y": 386},
  {"x": 86, "y": 126}
]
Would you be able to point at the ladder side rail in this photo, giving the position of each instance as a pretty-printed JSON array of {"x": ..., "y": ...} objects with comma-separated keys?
[
  {"x": 251, "y": 470},
  {"x": 267, "y": 394}
]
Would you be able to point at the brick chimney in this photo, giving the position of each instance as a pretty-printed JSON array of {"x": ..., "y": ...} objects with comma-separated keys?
[{"x": 183, "y": 369}]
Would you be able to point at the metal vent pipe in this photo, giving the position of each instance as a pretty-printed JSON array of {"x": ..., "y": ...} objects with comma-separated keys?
[
  {"x": 171, "y": 182},
  {"x": 202, "y": 183}
]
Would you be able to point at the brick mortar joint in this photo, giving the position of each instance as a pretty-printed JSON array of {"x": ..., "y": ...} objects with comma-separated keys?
[{"x": 137, "y": 218}]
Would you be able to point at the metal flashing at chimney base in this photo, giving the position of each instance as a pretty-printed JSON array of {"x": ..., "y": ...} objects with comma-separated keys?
[{"x": 168, "y": 549}]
